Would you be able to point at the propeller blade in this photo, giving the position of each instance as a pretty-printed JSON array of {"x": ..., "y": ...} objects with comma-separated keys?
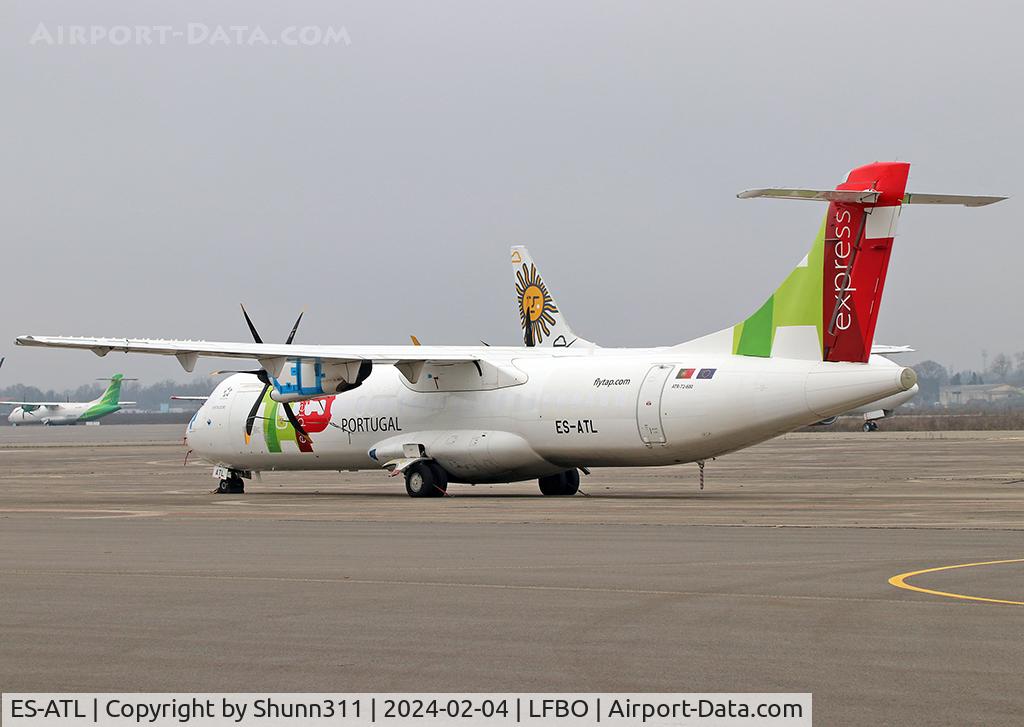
[
  {"x": 252, "y": 328},
  {"x": 294, "y": 419},
  {"x": 291, "y": 336},
  {"x": 251, "y": 419}
]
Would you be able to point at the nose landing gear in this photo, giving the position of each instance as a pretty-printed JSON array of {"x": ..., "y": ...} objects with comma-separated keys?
[{"x": 230, "y": 483}]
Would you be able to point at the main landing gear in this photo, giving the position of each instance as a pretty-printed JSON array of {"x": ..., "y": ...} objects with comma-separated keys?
[
  {"x": 231, "y": 485},
  {"x": 564, "y": 484},
  {"x": 426, "y": 479},
  {"x": 870, "y": 426}
]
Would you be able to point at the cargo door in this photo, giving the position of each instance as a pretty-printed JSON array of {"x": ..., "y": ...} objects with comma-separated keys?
[{"x": 648, "y": 405}]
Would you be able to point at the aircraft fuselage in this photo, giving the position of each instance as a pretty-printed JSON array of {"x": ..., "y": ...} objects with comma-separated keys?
[{"x": 607, "y": 409}]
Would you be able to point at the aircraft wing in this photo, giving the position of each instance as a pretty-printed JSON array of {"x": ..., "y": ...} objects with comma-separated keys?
[
  {"x": 175, "y": 397},
  {"x": 47, "y": 404},
  {"x": 883, "y": 350},
  {"x": 271, "y": 356}
]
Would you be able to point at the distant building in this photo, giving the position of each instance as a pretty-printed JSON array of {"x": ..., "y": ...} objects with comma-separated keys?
[{"x": 959, "y": 394}]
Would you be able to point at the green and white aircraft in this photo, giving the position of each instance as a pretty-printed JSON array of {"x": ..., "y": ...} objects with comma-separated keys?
[{"x": 69, "y": 412}]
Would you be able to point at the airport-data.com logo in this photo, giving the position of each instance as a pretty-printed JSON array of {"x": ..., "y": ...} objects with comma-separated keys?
[{"x": 191, "y": 34}]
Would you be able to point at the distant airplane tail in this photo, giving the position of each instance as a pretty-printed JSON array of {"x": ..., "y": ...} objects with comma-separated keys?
[
  {"x": 542, "y": 322},
  {"x": 827, "y": 308},
  {"x": 112, "y": 395}
]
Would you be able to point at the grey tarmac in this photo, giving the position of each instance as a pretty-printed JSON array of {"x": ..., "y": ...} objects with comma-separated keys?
[{"x": 120, "y": 572}]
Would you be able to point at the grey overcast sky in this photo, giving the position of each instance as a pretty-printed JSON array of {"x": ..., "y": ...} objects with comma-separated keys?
[{"x": 147, "y": 190}]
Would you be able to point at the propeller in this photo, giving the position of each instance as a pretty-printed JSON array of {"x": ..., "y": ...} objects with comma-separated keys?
[{"x": 264, "y": 377}]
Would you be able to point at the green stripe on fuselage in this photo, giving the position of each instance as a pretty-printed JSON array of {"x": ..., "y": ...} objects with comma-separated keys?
[
  {"x": 97, "y": 411},
  {"x": 276, "y": 428},
  {"x": 270, "y": 433}
]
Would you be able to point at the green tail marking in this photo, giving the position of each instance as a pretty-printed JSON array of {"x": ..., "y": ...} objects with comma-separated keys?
[
  {"x": 113, "y": 392},
  {"x": 106, "y": 404},
  {"x": 797, "y": 302}
]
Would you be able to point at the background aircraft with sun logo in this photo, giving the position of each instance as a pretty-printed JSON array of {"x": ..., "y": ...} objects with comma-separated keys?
[{"x": 540, "y": 318}]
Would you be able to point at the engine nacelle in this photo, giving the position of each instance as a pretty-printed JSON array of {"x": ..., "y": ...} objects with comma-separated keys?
[{"x": 302, "y": 379}]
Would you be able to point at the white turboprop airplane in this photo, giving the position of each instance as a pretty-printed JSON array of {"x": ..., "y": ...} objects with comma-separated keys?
[
  {"x": 544, "y": 323},
  {"x": 477, "y": 414},
  {"x": 51, "y": 413}
]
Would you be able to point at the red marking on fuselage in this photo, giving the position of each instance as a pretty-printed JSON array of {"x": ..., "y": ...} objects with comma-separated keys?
[{"x": 315, "y": 414}]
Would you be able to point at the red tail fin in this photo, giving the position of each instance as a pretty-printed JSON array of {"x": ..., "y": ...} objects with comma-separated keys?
[{"x": 858, "y": 243}]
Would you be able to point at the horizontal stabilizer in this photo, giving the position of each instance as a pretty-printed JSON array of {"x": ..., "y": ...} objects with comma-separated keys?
[
  {"x": 879, "y": 349},
  {"x": 866, "y": 196},
  {"x": 967, "y": 200}
]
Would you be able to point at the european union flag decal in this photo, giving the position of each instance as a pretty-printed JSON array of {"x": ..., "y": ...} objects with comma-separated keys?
[{"x": 706, "y": 373}]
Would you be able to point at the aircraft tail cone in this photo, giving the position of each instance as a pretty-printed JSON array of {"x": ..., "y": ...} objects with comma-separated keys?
[{"x": 833, "y": 388}]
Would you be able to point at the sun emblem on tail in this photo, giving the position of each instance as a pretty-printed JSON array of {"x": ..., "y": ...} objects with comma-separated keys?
[{"x": 536, "y": 308}]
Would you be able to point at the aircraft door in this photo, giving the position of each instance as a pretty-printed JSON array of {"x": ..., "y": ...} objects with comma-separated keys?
[{"x": 648, "y": 405}]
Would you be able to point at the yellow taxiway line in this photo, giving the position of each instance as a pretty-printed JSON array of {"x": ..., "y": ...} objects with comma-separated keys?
[{"x": 900, "y": 581}]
